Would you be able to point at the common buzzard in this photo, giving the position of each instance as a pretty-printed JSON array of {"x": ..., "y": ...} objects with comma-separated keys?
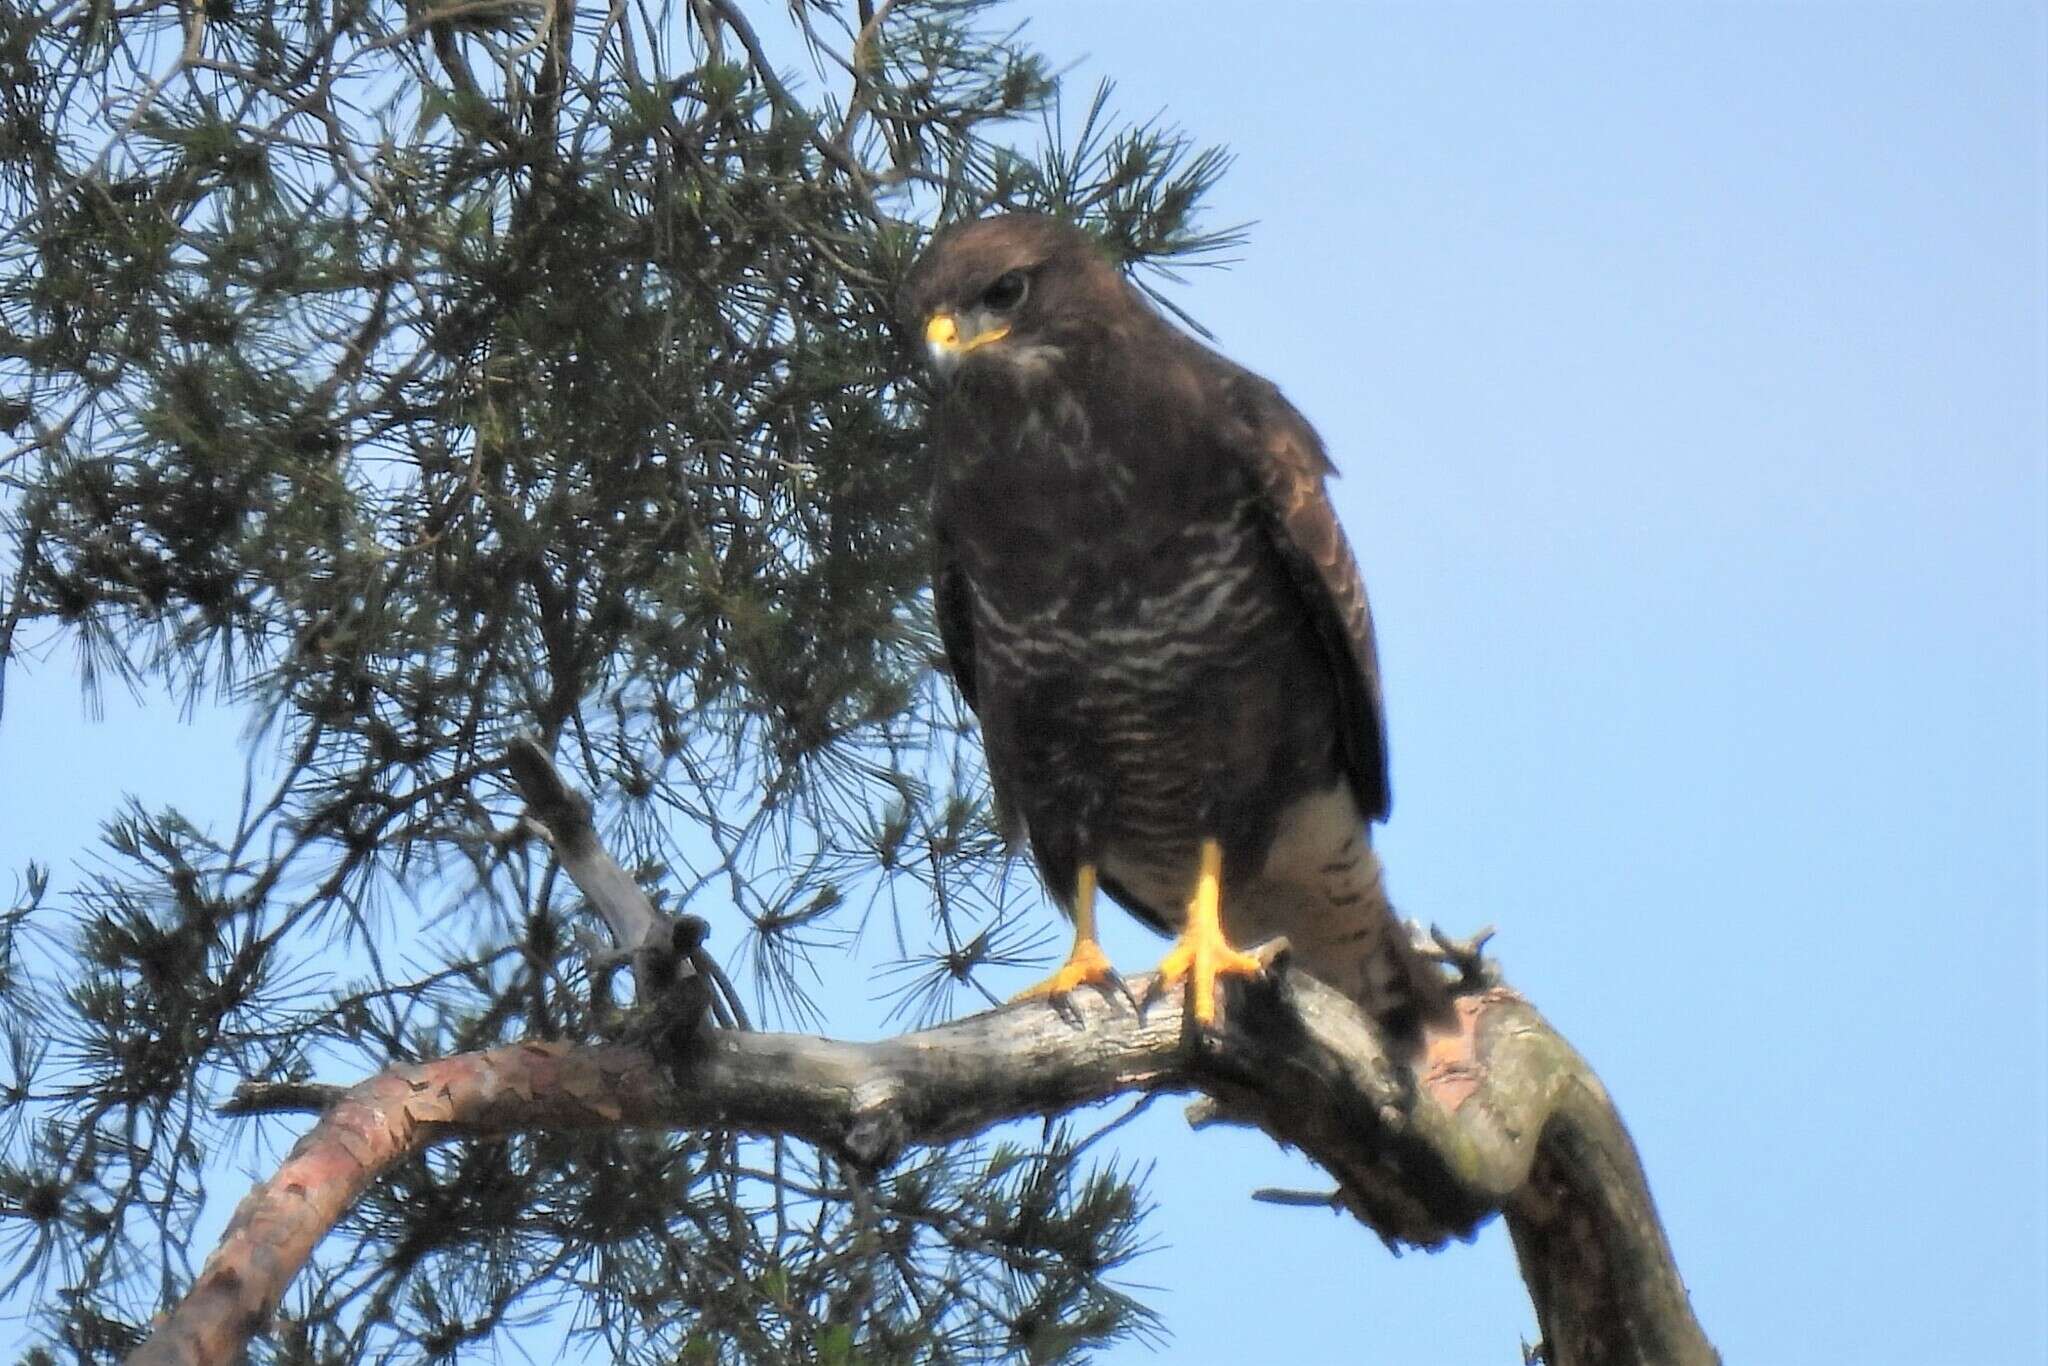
[{"x": 1145, "y": 596}]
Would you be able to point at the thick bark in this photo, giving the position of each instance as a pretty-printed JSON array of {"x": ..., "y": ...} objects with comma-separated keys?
[{"x": 1499, "y": 1116}]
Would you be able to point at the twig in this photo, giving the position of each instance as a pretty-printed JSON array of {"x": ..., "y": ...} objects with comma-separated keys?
[
  {"x": 1277, "y": 1195},
  {"x": 857, "y": 175},
  {"x": 863, "y": 64},
  {"x": 282, "y": 1098}
]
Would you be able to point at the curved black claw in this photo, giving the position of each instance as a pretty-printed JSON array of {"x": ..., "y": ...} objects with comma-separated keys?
[
  {"x": 1122, "y": 988},
  {"x": 1109, "y": 983}
]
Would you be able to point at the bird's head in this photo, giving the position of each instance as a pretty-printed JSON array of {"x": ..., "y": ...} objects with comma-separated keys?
[{"x": 992, "y": 290}]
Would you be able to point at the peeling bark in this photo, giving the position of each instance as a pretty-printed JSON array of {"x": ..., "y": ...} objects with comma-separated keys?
[{"x": 1497, "y": 1116}]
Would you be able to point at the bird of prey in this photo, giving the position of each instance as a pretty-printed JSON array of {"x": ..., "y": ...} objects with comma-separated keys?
[{"x": 1146, "y": 598}]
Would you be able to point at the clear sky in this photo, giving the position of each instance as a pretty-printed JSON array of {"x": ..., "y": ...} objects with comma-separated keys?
[{"x": 1688, "y": 366}]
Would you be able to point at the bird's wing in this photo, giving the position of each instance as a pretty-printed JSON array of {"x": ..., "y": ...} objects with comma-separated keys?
[
  {"x": 953, "y": 607},
  {"x": 1287, "y": 461}
]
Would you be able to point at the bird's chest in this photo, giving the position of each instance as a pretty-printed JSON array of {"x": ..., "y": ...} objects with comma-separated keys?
[
  {"x": 1130, "y": 620},
  {"x": 1060, "y": 502},
  {"x": 1122, "y": 690},
  {"x": 1127, "y": 611},
  {"x": 1097, "y": 547}
]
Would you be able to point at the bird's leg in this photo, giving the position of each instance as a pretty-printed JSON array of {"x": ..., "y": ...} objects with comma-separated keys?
[
  {"x": 1087, "y": 964},
  {"x": 1201, "y": 954}
]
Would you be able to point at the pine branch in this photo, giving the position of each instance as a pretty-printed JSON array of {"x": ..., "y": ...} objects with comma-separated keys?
[
  {"x": 559, "y": 816},
  {"x": 1498, "y": 1116},
  {"x": 1501, "y": 1116}
]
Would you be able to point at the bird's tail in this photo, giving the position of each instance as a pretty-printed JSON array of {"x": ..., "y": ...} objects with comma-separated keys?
[
  {"x": 1403, "y": 990},
  {"x": 1350, "y": 938}
]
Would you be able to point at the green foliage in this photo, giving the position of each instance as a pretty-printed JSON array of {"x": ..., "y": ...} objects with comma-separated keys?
[{"x": 414, "y": 376}]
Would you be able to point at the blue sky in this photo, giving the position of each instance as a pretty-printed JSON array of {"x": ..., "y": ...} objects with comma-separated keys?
[{"x": 1688, "y": 366}]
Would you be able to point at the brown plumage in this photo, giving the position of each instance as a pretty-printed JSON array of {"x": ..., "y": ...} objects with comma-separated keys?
[{"x": 1146, "y": 597}]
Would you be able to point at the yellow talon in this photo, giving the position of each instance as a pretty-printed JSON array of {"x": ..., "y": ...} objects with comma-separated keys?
[
  {"x": 1087, "y": 965},
  {"x": 1202, "y": 954}
]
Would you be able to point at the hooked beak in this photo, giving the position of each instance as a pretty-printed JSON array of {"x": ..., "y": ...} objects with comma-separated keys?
[{"x": 946, "y": 346}]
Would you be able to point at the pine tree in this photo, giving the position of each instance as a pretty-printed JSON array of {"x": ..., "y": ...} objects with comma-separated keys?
[{"x": 413, "y": 377}]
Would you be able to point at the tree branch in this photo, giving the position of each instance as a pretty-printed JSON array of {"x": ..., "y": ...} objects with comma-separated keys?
[
  {"x": 560, "y": 815},
  {"x": 1499, "y": 1116},
  {"x": 676, "y": 984}
]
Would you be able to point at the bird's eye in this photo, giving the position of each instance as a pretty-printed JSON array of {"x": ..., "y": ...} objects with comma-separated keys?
[{"x": 1007, "y": 292}]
